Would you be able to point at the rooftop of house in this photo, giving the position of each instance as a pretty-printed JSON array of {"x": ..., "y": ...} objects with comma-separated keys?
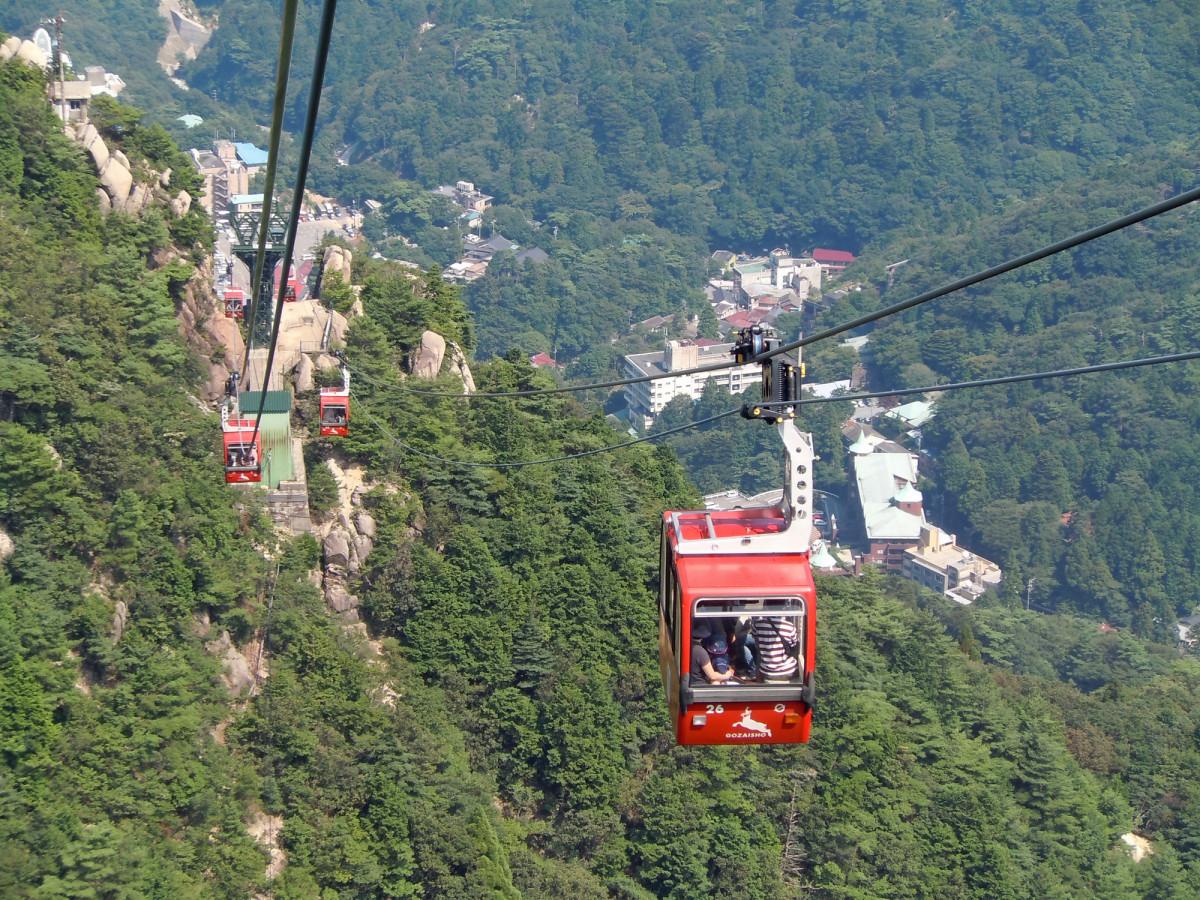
[
  {"x": 879, "y": 477},
  {"x": 655, "y": 322},
  {"x": 825, "y": 255},
  {"x": 752, "y": 266},
  {"x": 71, "y": 90},
  {"x": 655, "y": 363},
  {"x": 206, "y": 159},
  {"x": 828, "y": 388},
  {"x": 249, "y": 154},
  {"x": 494, "y": 244},
  {"x": 544, "y": 360},
  {"x": 914, "y": 414},
  {"x": 533, "y": 255}
]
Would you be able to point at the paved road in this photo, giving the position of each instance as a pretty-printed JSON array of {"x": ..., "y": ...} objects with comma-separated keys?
[{"x": 309, "y": 234}]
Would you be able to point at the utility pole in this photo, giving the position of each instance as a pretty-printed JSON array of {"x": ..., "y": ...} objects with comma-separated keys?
[
  {"x": 1029, "y": 592},
  {"x": 891, "y": 272},
  {"x": 58, "y": 63}
]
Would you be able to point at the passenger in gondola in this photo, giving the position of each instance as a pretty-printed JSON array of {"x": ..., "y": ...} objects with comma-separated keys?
[
  {"x": 743, "y": 651},
  {"x": 710, "y": 655},
  {"x": 777, "y": 642}
]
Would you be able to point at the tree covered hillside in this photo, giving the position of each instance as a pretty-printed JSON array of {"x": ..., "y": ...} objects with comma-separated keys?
[
  {"x": 503, "y": 733},
  {"x": 747, "y": 124},
  {"x": 1086, "y": 485}
]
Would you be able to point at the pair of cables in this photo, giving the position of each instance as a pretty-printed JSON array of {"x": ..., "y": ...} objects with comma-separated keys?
[
  {"x": 282, "y": 72},
  {"x": 1010, "y": 265},
  {"x": 805, "y": 401}
]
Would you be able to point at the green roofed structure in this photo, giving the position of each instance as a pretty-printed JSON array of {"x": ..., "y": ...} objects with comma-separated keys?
[{"x": 276, "y": 431}]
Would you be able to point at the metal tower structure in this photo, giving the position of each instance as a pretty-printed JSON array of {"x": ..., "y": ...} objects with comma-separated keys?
[{"x": 245, "y": 247}]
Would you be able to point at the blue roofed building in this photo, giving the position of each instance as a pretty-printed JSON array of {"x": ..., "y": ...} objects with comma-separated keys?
[{"x": 252, "y": 157}]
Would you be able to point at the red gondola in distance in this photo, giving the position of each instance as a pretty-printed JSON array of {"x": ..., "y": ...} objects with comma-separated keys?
[
  {"x": 335, "y": 408},
  {"x": 242, "y": 451},
  {"x": 235, "y": 303}
]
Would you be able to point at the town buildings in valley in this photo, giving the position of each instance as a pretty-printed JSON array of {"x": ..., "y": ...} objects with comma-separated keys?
[
  {"x": 897, "y": 535},
  {"x": 227, "y": 169},
  {"x": 646, "y": 399},
  {"x": 941, "y": 565}
]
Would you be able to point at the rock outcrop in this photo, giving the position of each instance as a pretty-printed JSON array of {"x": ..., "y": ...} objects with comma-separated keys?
[
  {"x": 235, "y": 671},
  {"x": 7, "y": 547},
  {"x": 117, "y": 181},
  {"x": 302, "y": 375},
  {"x": 346, "y": 548},
  {"x": 31, "y": 53},
  {"x": 458, "y": 365},
  {"x": 336, "y": 260},
  {"x": 427, "y": 361},
  {"x": 181, "y": 204},
  {"x": 207, "y": 331},
  {"x": 116, "y": 629},
  {"x": 337, "y": 548},
  {"x": 364, "y": 524},
  {"x": 9, "y": 48}
]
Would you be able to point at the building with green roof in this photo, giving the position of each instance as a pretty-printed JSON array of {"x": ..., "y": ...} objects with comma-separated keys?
[{"x": 276, "y": 432}]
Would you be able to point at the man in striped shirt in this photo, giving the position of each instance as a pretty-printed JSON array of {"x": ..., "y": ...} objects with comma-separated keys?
[{"x": 773, "y": 635}]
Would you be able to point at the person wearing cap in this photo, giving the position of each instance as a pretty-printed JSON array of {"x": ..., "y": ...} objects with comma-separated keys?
[{"x": 710, "y": 655}]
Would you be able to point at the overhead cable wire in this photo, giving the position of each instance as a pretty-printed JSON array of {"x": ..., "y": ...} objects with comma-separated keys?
[
  {"x": 310, "y": 128},
  {"x": 951, "y": 386},
  {"x": 282, "y": 72},
  {"x": 1005, "y": 379},
  {"x": 1017, "y": 262},
  {"x": 1083, "y": 237},
  {"x": 433, "y": 457}
]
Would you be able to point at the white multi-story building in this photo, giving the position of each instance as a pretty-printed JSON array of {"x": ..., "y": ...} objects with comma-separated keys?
[
  {"x": 646, "y": 399},
  {"x": 776, "y": 275}
]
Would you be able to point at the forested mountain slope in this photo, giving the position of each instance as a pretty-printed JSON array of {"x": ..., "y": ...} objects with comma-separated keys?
[
  {"x": 746, "y": 124},
  {"x": 506, "y": 736},
  {"x": 1085, "y": 486}
]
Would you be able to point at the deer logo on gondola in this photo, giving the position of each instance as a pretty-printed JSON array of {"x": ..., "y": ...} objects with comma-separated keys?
[{"x": 751, "y": 725}]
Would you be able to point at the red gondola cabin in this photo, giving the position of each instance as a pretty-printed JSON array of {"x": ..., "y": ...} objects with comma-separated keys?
[
  {"x": 243, "y": 457},
  {"x": 335, "y": 412},
  {"x": 740, "y": 581},
  {"x": 335, "y": 407},
  {"x": 235, "y": 303}
]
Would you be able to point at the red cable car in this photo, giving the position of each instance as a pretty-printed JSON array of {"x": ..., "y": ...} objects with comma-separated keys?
[
  {"x": 292, "y": 288},
  {"x": 243, "y": 452},
  {"x": 235, "y": 303},
  {"x": 741, "y": 576},
  {"x": 737, "y": 605},
  {"x": 335, "y": 408}
]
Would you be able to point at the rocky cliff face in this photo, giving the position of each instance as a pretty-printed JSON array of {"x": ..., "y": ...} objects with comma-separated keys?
[
  {"x": 206, "y": 330},
  {"x": 426, "y": 361}
]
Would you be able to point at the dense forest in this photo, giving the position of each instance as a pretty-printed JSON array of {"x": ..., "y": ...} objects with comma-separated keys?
[
  {"x": 502, "y": 731},
  {"x": 747, "y": 125},
  {"x": 1082, "y": 488},
  {"x": 626, "y": 138},
  {"x": 522, "y": 748}
]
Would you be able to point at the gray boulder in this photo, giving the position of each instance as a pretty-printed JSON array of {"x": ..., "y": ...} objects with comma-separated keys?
[
  {"x": 427, "y": 362},
  {"x": 120, "y": 619},
  {"x": 337, "y": 548},
  {"x": 364, "y": 524}
]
